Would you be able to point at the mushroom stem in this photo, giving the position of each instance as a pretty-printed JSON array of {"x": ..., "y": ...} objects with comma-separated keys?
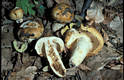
[
  {"x": 19, "y": 21},
  {"x": 80, "y": 51}
]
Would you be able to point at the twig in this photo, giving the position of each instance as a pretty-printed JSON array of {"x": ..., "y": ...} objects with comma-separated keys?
[{"x": 107, "y": 61}]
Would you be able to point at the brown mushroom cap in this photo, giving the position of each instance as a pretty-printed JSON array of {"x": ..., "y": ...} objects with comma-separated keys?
[
  {"x": 96, "y": 39},
  {"x": 16, "y": 13},
  {"x": 63, "y": 13},
  {"x": 85, "y": 42},
  {"x": 30, "y": 30}
]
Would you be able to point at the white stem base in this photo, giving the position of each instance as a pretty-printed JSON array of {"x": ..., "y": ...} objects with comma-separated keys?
[{"x": 83, "y": 46}]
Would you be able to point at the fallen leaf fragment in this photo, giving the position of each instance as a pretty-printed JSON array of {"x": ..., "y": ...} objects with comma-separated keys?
[
  {"x": 95, "y": 13},
  {"x": 23, "y": 74},
  {"x": 62, "y": 1},
  {"x": 117, "y": 67},
  {"x": 84, "y": 67}
]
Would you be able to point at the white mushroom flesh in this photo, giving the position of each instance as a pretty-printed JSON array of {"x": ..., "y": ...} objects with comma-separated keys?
[
  {"x": 82, "y": 47},
  {"x": 52, "y": 54},
  {"x": 73, "y": 36}
]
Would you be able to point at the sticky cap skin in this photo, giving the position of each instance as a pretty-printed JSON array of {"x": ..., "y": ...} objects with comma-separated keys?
[{"x": 63, "y": 13}]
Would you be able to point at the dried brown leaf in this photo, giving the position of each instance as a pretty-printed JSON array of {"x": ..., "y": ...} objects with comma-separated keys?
[
  {"x": 23, "y": 74},
  {"x": 107, "y": 20},
  {"x": 71, "y": 71},
  {"x": 121, "y": 60},
  {"x": 121, "y": 70},
  {"x": 117, "y": 67},
  {"x": 62, "y": 1},
  {"x": 84, "y": 67},
  {"x": 105, "y": 36},
  {"x": 95, "y": 13}
]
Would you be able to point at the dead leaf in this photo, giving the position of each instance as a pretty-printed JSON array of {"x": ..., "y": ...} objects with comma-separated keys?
[
  {"x": 121, "y": 70},
  {"x": 71, "y": 71},
  {"x": 121, "y": 60},
  {"x": 116, "y": 23},
  {"x": 95, "y": 13},
  {"x": 62, "y": 1},
  {"x": 105, "y": 36},
  {"x": 23, "y": 74},
  {"x": 117, "y": 67},
  {"x": 84, "y": 67},
  {"x": 107, "y": 20}
]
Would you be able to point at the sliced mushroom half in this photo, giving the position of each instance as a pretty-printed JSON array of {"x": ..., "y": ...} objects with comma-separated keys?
[
  {"x": 86, "y": 42},
  {"x": 51, "y": 47}
]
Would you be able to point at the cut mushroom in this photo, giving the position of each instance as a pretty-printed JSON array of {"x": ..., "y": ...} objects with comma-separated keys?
[
  {"x": 88, "y": 42},
  {"x": 17, "y": 14},
  {"x": 96, "y": 38},
  {"x": 63, "y": 13},
  {"x": 51, "y": 47},
  {"x": 30, "y": 30}
]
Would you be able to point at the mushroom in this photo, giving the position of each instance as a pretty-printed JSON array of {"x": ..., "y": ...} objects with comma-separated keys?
[
  {"x": 17, "y": 14},
  {"x": 20, "y": 46},
  {"x": 30, "y": 30},
  {"x": 86, "y": 42},
  {"x": 50, "y": 47},
  {"x": 63, "y": 14}
]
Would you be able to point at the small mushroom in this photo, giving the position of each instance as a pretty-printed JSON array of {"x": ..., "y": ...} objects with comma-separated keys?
[
  {"x": 30, "y": 30},
  {"x": 17, "y": 14},
  {"x": 87, "y": 42},
  {"x": 20, "y": 46},
  {"x": 50, "y": 47},
  {"x": 63, "y": 13}
]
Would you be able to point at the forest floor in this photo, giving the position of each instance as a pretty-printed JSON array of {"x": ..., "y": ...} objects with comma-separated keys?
[{"x": 107, "y": 65}]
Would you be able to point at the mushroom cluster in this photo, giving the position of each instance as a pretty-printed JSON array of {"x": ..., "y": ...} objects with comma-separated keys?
[{"x": 82, "y": 42}]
